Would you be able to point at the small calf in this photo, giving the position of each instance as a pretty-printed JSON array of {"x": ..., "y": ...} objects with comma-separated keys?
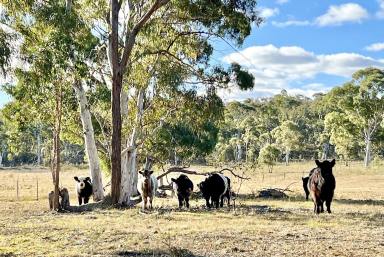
[
  {"x": 147, "y": 187},
  {"x": 184, "y": 187},
  {"x": 83, "y": 189},
  {"x": 63, "y": 199}
]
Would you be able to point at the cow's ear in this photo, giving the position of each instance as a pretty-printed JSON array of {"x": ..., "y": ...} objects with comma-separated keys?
[
  {"x": 318, "y": 163},
  {"x": 76, "y": 178},
  {"x": 174, "y": 180},
  {"x": 88, "y": 179},
  {"x": 150, "y": 172},
  {"x": 303, "y": 178},
  {"x": 333, "y": 162}
]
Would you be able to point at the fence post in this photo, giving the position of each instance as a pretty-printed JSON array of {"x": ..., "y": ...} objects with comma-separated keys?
[
  {"x": 37, "y": 189},
  {"x": 17, "y": 189}
]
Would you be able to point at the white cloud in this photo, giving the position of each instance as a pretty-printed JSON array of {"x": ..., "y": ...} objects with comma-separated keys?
[
  {"x": 375, "y": 47},
  {"x": 335, "y": 16},
  {"x": 268, "y": 12},
  {"x": 380, "y": 12},
  {"x": 282, "y": 1},
  {"x": 340, "y": 14},
  {"x": 277, "y": 68},
  {"x": 290, "y": 23}
]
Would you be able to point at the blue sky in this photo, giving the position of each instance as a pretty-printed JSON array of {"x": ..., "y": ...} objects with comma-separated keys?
[{"x": 306, "y": 46}]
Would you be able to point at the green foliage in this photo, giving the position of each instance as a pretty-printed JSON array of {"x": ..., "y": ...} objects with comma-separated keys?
[{"x": 268, "y": 156}]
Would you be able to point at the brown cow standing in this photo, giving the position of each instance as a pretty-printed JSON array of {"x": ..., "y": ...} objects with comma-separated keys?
[
  {"x": 147, "y": 187},
  {"x": 321, "y": 185}
]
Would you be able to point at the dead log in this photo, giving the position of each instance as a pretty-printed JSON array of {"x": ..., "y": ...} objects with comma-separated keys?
[{"x": 272, "y": 193}]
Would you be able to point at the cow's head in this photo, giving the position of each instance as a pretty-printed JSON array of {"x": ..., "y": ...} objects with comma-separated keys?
[
  {"x": 326, "y": 166},
  {"x": 146, "y": 173},
  {"x": 82, "y": 181}
]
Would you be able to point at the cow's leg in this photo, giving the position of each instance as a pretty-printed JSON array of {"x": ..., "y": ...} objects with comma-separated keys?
[
  {"x": 229, "y": 197},
  {"x": 187, "y": 202},
  {"x": 216, "y": 201},
  {"x": 86, "y": 199},
  {"x": 180, "y": 201},
  {"x": 318, "y": 206},
  {"x": 222, "y": 201},
  {"x": 328, "y": 204},
  {"x": 80, "y": 199},
  {"x": 144, "y": 203},
  {"x": 207, "y": 202},
  {"x": 150, "y": 202}
]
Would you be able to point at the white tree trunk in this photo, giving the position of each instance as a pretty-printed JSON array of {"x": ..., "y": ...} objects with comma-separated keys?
[
  {"x": 1, "y": 159},
  {"x": 129, "y": 174},
  {"x": 368, "y": 145},
  {"x": 90, "y": 143},
  {"x": 287, "y": 153},
  {"x": 39, "y": 159},
  {"x": 239, "y": 152}
]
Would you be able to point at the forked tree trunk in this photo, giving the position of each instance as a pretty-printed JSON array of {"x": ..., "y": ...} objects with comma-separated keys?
[
  {"x": 129, "y": 173},
  {"x": 90, "y": 143}
]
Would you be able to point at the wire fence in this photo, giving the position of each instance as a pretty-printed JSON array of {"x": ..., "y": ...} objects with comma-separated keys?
[{"x": 32, "y": 185}]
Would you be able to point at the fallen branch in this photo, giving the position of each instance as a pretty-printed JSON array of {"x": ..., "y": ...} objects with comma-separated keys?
[
  {"x": 192, "y": 172},
  {"x": 234, "y": 174}
]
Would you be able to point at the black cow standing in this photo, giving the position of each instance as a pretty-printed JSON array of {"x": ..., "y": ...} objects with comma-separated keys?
[
  {"x": 184, "y": 188},
  {"x": 83, "y": 189},
  {"x": 322, "y": 184},
  {"x": 305, "y": 186},
  {"x": 215, "y": 188}
]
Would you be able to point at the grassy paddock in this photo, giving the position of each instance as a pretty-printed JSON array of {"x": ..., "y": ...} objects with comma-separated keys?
[{"x": 257, "y": 227}]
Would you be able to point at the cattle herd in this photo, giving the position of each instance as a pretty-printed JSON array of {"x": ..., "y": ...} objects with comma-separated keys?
[{"x": 319, "y": 184}]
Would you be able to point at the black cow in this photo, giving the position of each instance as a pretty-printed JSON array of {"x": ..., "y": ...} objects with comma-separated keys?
[
  {"x": 83, "y": 189},
  {"x": 215, "y": 188},
  {"x": 184, "y": 188},
  {"x": 305, "y": 186},
  {"x": 322, "y": 184}
]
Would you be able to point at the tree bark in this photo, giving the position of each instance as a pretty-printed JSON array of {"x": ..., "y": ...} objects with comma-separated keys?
[
  {"x": 129, "y": 172},
  {"x": 56, "y": 145},
  {"x": 116, "y": 137},
  {"x": 117, "y": 82},
  {"x": 90, "y": 142}
]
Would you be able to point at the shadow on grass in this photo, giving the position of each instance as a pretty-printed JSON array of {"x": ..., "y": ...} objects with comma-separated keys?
[
  {"x": 360, "y": 202},
  {"x": 173, "y": 252}
]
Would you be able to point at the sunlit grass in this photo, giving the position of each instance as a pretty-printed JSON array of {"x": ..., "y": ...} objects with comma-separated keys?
[{"x": 257, "y": 227}]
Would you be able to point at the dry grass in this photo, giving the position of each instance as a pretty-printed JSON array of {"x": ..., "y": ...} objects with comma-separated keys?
[{"x": 257, "y": 227}]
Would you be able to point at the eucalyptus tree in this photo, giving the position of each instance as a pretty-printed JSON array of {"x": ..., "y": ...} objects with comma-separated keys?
[
  {"x": 288, "y": 137},
  {"x": 362, "y": 101},
  {"x": 268, "y": 156},
  {"x": 54, "y": 40},
  {"x": 343, "y": 134},
  {"x": 368, "y": 109},
  {"x": 181, "y": 32}
]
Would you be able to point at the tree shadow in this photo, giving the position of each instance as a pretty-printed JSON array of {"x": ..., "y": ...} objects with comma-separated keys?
[
  {"x": 360, "y": 202},
  {"x": 172, "y": 252}
]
